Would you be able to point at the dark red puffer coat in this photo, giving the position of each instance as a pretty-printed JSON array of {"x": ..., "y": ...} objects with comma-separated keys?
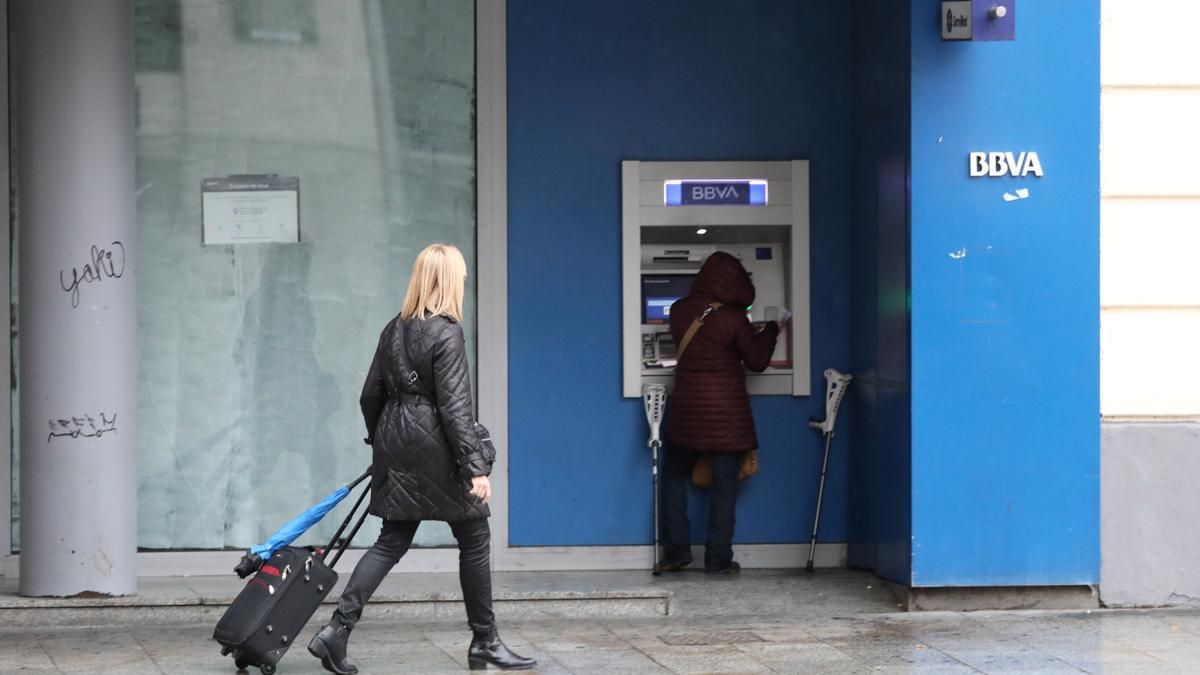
[{"x": 710, "y": 409}]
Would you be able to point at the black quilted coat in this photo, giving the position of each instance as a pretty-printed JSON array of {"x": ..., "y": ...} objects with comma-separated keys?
[
  {"x": 709, "y": 409},
  {"x": 422, "y": 428}
]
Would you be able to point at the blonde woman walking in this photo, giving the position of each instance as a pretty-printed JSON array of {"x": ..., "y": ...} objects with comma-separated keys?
[{"x": 428, "y": 462}]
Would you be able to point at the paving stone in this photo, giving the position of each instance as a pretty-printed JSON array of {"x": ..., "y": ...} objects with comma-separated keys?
[
  {"x": 935, "y": 669},
  {"x": 721, "y": 637},
  {"x": 96, "y": 650},
  {"x": 701, "y": 659},
  {"x": 422, "y": 657},
  {"x": 23, "y": 653},
  {"x": 606, "y": 661},
  {"x": 999, "y": 661},
  {"x": 1178, "y": 620},
  {"x": 785, "y": 634},
  {"x": 1179, "y": 655},
  {"x": 727, "y": 626},
  {"x": 391, "y": 612},
  {"x": 802, "y": 658},
  {"x": 381, "y": 631},
  {"x": 887, "y": 652},
  {"x": 578, "y": 641}
]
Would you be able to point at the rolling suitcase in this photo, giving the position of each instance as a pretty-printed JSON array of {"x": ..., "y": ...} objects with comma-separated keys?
[{"x": 266, "y": 617}]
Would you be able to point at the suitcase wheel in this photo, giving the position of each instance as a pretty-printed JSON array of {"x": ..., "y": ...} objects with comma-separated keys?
[
  {"x": 267, "y": 669},
  {"x": 241, "y": 664}
]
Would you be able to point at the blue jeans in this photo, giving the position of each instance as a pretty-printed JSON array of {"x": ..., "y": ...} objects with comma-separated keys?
[{"x": 677, "y": 472}]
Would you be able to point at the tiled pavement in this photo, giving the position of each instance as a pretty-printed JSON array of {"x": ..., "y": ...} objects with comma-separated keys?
[{"x": 782, "y": 622}]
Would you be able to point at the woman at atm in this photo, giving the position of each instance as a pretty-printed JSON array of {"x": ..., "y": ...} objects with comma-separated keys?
[{"x": 709, "y": 411}]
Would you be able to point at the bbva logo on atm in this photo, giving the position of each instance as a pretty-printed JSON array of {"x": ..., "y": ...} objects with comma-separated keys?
[{"x": 1004, "y": 164}]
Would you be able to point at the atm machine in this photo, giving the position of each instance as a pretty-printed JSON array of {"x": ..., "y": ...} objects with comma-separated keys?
[{"x": 675, "y": 215}]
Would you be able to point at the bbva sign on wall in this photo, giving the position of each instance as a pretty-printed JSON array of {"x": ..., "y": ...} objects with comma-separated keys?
[{"x": 1004, "y": 164}]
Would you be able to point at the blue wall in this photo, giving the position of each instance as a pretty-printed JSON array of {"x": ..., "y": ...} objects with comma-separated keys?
[
  {"x": 1005, "y": 339},
  {"x": 880, "y": 485},
  {"x": 590, "y": 84}
]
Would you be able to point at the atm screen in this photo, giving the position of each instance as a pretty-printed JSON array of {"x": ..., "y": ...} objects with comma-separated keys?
[{"x": 659, "y": 292}]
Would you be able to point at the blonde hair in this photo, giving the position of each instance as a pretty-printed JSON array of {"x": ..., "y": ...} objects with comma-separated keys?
[{"x": 438, "y": 279}]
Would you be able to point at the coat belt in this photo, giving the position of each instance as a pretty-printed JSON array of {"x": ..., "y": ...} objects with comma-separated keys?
[{"x": 411, "y": 399}]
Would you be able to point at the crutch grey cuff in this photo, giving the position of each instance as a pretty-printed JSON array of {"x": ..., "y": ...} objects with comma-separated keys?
[{"x": 474, "y": 464}]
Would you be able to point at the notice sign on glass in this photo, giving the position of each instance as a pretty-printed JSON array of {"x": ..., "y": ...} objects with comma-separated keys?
[{"x": 250, "y": 210}]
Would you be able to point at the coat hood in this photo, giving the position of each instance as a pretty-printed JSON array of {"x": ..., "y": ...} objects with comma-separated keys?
[{"x": 723, "y": 279}]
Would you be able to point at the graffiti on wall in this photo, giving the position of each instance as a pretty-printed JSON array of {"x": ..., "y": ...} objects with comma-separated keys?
[
  {"x": 104, "y": 264},
  {"x": 86, "y": 426}
]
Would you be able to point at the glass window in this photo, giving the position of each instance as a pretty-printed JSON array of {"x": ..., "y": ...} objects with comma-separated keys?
[
  {"x": 159, "y": 44},
  {"x": 278, "y": 20},
  {"x": 252, "y": 356}
]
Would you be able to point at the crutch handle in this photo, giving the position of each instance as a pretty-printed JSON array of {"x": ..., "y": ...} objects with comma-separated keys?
[{"x": 654, "y": 398}]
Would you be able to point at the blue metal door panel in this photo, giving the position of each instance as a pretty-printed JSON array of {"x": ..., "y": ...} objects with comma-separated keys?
[{"x": 1005, "y": 304}]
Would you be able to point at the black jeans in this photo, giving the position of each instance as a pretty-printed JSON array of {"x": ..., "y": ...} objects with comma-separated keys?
[
  {"x": 474, "y": 571},
  {"x": 677, "y": 472}
]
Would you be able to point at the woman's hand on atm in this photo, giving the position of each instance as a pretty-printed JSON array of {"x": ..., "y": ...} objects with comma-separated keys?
[{"x": 481, "y": 487}]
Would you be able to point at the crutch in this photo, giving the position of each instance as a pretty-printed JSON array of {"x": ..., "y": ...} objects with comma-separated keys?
[
  {"x": 654, "y": 396},
  {"x": 835, "y": 389}
]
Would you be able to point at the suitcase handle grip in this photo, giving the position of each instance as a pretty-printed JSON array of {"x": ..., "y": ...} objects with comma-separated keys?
[{"x": 365, "y": 475}]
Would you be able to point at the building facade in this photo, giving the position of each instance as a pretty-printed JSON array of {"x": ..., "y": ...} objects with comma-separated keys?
[{"x": 967, "y": 306}]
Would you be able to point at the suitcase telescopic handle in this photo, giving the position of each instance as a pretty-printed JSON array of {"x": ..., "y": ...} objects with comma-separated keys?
[
  {"x": 346, "y": 522},
  {"x": 365, "y": 475},
  {"x": 346, "y": 542}
]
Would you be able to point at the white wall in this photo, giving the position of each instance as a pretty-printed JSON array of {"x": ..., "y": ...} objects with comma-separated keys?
[
  {"x": 1150, "y": 297},
  {"x": 1150, "y": 209}
]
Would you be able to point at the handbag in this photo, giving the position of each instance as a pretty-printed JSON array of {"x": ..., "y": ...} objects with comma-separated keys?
[
  {"x": 486, "y": 447},
  {"x": 702, "y": 470}
]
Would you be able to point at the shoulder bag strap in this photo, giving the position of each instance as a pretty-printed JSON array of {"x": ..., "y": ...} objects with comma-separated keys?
[
  {"x": 413, "y": 378},
  {"x": 692, "y": 329}
]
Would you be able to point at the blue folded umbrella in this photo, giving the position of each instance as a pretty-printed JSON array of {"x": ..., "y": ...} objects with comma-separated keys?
[{"x": 299, "y": 525}]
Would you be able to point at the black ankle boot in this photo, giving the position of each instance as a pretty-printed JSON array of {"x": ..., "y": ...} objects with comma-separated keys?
[
  {"x": 491, "y": 650},
  {"x": 329, "y": 645}
]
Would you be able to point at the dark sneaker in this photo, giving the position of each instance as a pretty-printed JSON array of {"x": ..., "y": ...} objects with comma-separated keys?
[
  {"x": 733, "y": 568},
  {"x": 673, "y": 565}
]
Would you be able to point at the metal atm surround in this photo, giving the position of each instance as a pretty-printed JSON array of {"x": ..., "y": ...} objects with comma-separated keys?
[{"x": 783, "y": 221}]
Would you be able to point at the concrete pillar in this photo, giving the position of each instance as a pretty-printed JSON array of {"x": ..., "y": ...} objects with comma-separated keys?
[{"x": 75, "y": 145}]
